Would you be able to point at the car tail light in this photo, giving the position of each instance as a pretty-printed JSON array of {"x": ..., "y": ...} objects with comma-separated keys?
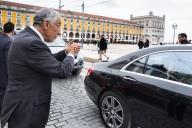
[{"x": 90, "y": 71}]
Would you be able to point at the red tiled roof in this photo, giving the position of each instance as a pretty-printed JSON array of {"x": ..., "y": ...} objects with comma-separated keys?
[
  {"x": 97, "y": 17},
  {"x": 19, "y": 5}
]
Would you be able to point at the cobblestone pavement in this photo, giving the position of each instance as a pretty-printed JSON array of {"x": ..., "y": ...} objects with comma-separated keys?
[{"x": 71, "y": 107}]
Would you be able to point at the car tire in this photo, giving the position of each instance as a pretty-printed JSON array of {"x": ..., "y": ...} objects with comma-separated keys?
[
  {"x": 76, "y": 72},
  {"x": 114, "y": 111}
]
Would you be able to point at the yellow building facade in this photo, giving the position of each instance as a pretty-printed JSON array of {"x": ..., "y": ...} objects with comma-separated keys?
[{"x": 74, "y": 25}]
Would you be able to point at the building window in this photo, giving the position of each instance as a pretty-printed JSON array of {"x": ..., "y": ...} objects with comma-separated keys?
[
  {"x": 0, "y": 12},
  {"x": 18, "y": 14},
  {"x": 65, "y": 27},
  {"x": 88, "y": 29},
  {"x": 8, "y": 19},
  {"x": 9, "y": 13},
  {"x": 27, "y": 20},
  {"x": 93, "y": 29},
  {"x": 18, "y": 22},
  {"x": 71, "y": 28},
  {"x": 147, "y": 22},
  {"x": 153, "y": 24}
]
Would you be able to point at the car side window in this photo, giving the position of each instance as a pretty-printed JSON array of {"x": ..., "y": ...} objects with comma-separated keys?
[
  {"x": 137, "y": 66},
  {"x": 157, "y": 65},
  {"x": 181, "y": 66},
  {"x": 174, "y": 66}
]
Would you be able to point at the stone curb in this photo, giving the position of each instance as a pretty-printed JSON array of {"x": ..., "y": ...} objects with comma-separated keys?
[{"x": 91, "y": 60}]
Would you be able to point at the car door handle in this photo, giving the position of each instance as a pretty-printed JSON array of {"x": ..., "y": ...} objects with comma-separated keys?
[{"x": 129, "y": 78}]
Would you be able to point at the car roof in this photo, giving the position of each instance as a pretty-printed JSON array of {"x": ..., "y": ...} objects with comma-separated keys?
[
  {"x": 161, "y": 48},
  {"x": 170, "y": 47},
  {"x": 133, "y": 55}
]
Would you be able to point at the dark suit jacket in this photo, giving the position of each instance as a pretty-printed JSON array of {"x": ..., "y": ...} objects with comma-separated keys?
[
  {"x": 5, "y": 42},
  {"x": 31, "y": 68},
  {"x": 102, "y": 44}
]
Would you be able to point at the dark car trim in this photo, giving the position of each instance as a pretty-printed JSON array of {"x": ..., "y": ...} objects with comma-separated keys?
[
  {"x": 187, "y": 89},
  {"x": 154, "y": 53},
  {"x": 91, "y": 97}
]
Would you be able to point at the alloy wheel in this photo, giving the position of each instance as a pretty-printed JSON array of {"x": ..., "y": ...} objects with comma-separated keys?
[{"x": 112, "y": 112}]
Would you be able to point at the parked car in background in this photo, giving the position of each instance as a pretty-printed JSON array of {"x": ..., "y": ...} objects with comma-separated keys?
[
  {"x": 149, "y": 88},
  {"x": 58, "y": 45}
]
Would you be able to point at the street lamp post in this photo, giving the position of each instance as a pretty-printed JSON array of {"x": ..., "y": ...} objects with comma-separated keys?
[
  {"x": 60, "y": 6},
  {"x": 83, "y": 6},
  {"x": 174, "y": 26}
]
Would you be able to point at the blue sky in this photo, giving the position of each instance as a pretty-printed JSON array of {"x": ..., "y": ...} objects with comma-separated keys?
[{"x": 176, "y": 12}]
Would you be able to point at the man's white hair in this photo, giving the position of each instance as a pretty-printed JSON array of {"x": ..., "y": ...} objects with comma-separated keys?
[{"x": 45, "y": 14}]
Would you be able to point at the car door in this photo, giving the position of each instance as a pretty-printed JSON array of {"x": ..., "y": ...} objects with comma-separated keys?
[
  {"x": 180, "y": 68},
  {"x": 140, "y": 96},
  {"x": 157, "y": 92}
]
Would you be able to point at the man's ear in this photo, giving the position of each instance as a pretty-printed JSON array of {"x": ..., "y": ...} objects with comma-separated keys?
[{"x": 45, "y": 25}]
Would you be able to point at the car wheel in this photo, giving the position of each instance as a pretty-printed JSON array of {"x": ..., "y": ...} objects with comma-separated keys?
[
  {"x": 114, "y": 110},
  {"x": 76, "y": 72}
]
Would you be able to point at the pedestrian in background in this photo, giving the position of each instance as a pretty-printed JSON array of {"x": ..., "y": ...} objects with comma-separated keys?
[
  {"x": 5, "y": 43},
  {"x": 146, "y": 44},
  {"x": 31, "y": 67},
  {"x": 140, "y": 44},
  {"x": 182, "y": 38},
  {"x": 94, "y": 42},
  {"x": 102, "y": 48}
]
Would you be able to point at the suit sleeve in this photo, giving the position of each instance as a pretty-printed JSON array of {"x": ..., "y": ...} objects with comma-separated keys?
[
  {"x": 41, "y": 60},
  {"x": 7, "y": 46},
  {"x": 60, "y": 56}
]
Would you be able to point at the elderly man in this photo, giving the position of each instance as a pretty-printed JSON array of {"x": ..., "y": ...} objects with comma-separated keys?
[{"x": 31, "y": 67}]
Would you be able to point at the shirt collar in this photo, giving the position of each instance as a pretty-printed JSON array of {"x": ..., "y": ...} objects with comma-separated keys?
[{"x": 38, "y": 33}]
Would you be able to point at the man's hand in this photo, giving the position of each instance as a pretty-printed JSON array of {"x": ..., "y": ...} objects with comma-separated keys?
[
  {"x": 73, "y": 47},
  {"x": 77, "y": 47}
]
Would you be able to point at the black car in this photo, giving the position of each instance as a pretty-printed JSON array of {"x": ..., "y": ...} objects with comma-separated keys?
[{"x": 149, "y": 88}]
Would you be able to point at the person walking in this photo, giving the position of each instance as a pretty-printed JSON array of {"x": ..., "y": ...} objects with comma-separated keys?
[
  {"x": 31, "y": 67},
  {"x": 5, "y": 42},
  {"x": 182, "y": 38},
  {"x": 102, "y": 48},
  {"x": 140, "y": 44},
  {"x": 146, "y": 44}
]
